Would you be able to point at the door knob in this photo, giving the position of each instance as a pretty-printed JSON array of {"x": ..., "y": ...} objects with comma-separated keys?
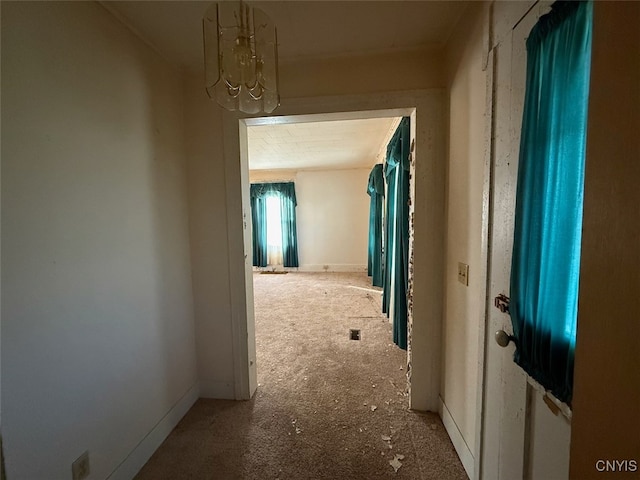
[{"x": 503, "y": 338}]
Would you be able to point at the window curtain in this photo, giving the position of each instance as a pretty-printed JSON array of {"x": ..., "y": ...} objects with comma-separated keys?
[
  {"x": 286, "y": 192},
  {"x": 548, "y": 220},
  {"x": 396, "y": 274},
  {"x": 288, "y": 205},
  {"x": 375, "y": 190},
  {"x": 259, "y": 225}
]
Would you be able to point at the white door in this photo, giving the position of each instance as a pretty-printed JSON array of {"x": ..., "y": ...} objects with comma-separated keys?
[{"x": 521, "y": 437}]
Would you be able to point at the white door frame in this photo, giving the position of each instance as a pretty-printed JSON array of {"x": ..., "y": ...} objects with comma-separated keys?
[{"x": 428, "y": 110}]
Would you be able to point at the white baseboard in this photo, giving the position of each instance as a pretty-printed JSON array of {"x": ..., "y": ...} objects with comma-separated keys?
[
  {"x": 333, "y": 267},
  {"x": 150, "y": 443},
  {"x": 462, "y": 449},
  {"x": 217, "y": 390}
]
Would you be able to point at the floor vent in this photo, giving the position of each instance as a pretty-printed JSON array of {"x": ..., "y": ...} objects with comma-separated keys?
[{"x": 354, "y": 334}]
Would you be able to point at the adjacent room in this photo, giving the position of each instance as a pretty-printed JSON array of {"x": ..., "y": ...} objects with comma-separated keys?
[{"x": 329, "y": 163}]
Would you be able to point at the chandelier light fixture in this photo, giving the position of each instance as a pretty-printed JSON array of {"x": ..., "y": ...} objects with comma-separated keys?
[{"x": 241, "y": 57}]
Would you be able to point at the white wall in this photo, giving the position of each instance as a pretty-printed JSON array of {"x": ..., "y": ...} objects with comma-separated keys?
[
  {"x": 332, "y": 217},
  {"x": 411, "y": 70},
  {"x": 280, "y": 175},
  {"x": 209, "y": 243},
  {"x": 464, "y": 305},
  {"x": 97, "y": 334}
]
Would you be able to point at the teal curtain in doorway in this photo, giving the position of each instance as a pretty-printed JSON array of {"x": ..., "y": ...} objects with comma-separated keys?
[
  {"x": 548, "y": 220},
  {"x": 396, "y": 274},
  {"x": 286, "y": 192},
  {"x": 375, "y": 190}
]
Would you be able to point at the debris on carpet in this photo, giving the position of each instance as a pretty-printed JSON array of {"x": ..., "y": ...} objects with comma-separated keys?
[
  {"x": 298, "y": 429},
  {"x": 396, "y": 463}
]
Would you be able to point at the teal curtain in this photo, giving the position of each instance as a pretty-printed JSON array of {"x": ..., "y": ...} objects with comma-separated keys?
[
  {"x": 375, "y": 190},
  {"x": 286, "y": 192},
  {"x": 397, "y": 231},
  {"x": 288, "y": 205},
  {"x": 548, "y": 220},
  {"x": 259, "y": 226}
]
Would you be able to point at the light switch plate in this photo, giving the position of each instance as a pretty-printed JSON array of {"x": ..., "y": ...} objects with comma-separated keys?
[{"x": 463, "y": 273}]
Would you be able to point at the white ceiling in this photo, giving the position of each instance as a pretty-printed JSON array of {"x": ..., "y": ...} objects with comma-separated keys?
[
  {"x": 306, "y": 29},
  {"x": 322, "y": 145}
]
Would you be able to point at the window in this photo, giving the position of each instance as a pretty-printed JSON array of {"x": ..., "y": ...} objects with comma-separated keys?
[
  {"x": 274, "y": 230},
  {"x": 548, "y": 219},
  {"x": 273, "y": 218}
]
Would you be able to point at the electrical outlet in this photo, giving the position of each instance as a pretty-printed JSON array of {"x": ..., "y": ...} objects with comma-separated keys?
[
  {"x": 463, "y": 273},
  {"x": 80, "y": 468}
]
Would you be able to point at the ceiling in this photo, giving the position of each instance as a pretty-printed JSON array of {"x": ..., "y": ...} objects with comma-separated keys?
[
  {"x": 306, "y": 30},
  {"x": 322, "y": 145}
]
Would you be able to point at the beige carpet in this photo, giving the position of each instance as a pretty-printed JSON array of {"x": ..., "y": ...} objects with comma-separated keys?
[{"x": 327, "y": 407}]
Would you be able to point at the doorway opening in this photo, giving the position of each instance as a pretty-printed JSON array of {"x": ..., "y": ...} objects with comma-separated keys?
[
  {"x": 426, "y": 109},
  {"x": 327, "y": 162}
]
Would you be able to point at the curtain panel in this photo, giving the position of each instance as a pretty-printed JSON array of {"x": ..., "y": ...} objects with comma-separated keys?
[
  {"x": 259, "y": 227},
  {"x": 548, "y": 219},
  {"x": 288, "y": 205},
  {"x": 286, "y": 192},
  {"x": 396, "y": 272},
  {"x": 375, "y": 190}
]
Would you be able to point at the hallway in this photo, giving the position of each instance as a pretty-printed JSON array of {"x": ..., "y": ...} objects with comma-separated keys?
[{"x": 327, "y": 407}]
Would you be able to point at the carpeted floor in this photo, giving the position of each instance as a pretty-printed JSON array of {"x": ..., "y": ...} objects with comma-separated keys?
[{"x": 327, "y": 407}]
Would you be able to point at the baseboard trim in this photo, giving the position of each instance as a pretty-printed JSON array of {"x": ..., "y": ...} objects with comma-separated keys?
[
  {"x": 462, "y": 449},
  {"x": 150, "y": 443},
  {"x": 217, "y": 390},
  {"x": 333, "y": 267},
  {"x": 310, "y": 267}
]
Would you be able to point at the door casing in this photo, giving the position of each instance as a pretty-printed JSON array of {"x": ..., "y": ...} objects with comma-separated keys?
[{"x": 427, "y": 109}]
